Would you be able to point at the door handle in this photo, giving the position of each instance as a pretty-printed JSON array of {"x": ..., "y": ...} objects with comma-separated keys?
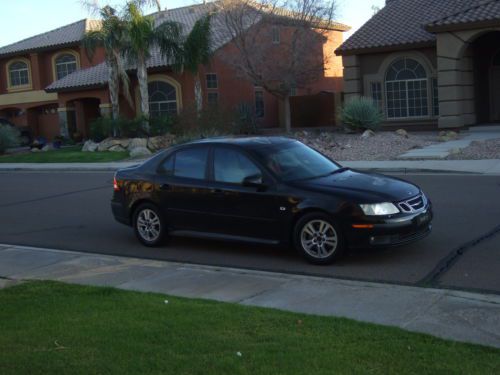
[{"x": 165, "y": 187}]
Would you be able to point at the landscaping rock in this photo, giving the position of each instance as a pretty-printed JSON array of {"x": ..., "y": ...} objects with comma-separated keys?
[
  {"x": 402, "y": 133},
  {"x": 34, "y": 149},
  {"x": 90, "y": 146},
  {"x": 46, "y": 148},
  {"x": 110, "y": 142},
  {"x": 368, "y": 133},
  {"x": 160, "y": 142},
  {"x": 139, "y": 152},
  {"x": 117, "y": 148},
  {"x": 445, "y": 136},
  {"x": 137, "y": 142}
]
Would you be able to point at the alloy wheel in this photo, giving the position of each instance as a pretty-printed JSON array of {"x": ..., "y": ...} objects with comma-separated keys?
[
  {"x": 319, "y": 239},
  {"x": 148, "y": 225}
]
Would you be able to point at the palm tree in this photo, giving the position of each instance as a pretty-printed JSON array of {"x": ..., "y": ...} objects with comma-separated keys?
[
  {"x": 110, "y": 37},
  {"x": 142, "y": 36},
  {"x": 181, "y": 53}
]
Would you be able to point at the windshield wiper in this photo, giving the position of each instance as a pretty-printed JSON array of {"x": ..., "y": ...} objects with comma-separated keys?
[{"x": 340, "y": 170}]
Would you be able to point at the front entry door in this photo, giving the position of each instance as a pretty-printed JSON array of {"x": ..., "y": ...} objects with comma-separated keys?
[{"x": 495, "y": 94}]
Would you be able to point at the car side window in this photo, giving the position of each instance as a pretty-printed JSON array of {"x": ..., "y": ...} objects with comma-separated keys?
[
  {"x": 233, "y": 167},
  {"x": 191, "y": 163},
  {"x": 167, "y": 167}
]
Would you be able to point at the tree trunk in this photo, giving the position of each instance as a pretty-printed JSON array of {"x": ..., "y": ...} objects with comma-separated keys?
[
  {"x": 114, "y": 87},
  {"x": 198, "y": 95},
  {"x": 142, "y": 77},
  {"x": 288, "y": 115}
]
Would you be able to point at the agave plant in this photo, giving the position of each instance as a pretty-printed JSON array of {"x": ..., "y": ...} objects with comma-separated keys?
[{"x": 361, "y": 114}]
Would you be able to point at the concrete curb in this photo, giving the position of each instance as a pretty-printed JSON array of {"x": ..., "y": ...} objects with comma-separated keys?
[{"x": 450, "y": 314}]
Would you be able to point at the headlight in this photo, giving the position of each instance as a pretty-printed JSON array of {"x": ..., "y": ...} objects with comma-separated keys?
[{"x": 378, "y": 209}]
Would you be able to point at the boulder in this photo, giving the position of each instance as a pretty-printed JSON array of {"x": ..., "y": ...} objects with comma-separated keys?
[
  {"x": 90, "y": 146},
  {"x": 447, "y": 135},
  {"x": 47, "y": 147},
  {"x": 368, "y": 133},
  {"x": 139, "y": 152},
  {"x": 110, "y": 142},
  {"x": 35, "y": 149},
  {"x": 137, "y": 142},
  {"x": 117, "y": 148},
  {"x": 402, "y": 133},
  {"x": 160, "y": 142}
]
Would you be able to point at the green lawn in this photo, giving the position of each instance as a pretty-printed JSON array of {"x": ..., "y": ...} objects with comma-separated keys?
[
  {"x": 64, "y": 155},
  {"x": 53, "y": 328}
]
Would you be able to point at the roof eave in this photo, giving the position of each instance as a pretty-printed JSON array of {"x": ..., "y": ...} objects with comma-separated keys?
[
  {"x": 76, "y": 88},
  {"x": 462, "y": 26},
  {"x": 380, "y": 49},
  {"x": 36, "y": 50}
]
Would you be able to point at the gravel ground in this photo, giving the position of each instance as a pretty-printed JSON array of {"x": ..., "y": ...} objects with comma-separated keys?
[
  {"x": 381, "y": 146},
  {"x": 479, "y": 150}
]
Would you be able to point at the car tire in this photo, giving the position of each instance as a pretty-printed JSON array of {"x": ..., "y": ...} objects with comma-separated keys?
[
  {"x": 149, "y": 225},
  {"x": 318, "y": 238}
]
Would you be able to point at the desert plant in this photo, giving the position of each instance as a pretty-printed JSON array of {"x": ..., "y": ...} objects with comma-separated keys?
[
  {"x": 361, "y": 114},
  {"x": 9, "y": 137}
]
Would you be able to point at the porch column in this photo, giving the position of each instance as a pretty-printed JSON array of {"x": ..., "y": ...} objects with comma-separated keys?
[
  {"x": 455, "y": 81},
  {"x": 352, "y": 77},
  {"x": 105, "y": 109}
]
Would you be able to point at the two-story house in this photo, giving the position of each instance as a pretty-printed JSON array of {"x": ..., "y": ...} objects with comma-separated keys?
[{"x": 47, "y": 82}]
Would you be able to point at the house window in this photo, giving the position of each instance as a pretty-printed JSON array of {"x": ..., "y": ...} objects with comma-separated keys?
[
  {"x": 19, "y": 74},
  {"x": 276, "y": 34},
  {"x": 213, "y": 98},
  {"x": 162, "y": 99},
  {"x": 406, "y": 90},
  {"x": 376, "y": 90},
  {"x": 65, "y": 64},
  {"x": 435, "y": 97},
  {"x": 212, "y": 81},
  {"x": 259, "y": 104}
]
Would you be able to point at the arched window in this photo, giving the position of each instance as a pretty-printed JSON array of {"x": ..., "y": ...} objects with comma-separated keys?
[
  {"x": 65, "y": 64},
  {"x": 19, "y": 74},
  {"x": 406, "y": 89},
  {"x": 162, "y": 99}
]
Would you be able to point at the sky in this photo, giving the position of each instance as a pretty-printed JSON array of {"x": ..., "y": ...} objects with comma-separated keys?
[{"x": 24, "y": 18}]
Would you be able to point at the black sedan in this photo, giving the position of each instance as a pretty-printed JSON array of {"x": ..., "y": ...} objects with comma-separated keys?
[{"x": 272, "y": 190}]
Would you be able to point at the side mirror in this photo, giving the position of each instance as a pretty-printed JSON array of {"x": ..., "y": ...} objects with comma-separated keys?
[{"x": 254, "y": 181}]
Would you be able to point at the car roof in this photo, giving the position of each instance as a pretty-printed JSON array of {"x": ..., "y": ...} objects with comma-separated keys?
[{"x": 250, "y": 142}]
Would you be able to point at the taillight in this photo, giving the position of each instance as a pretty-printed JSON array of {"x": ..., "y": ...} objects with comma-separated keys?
[{"x": 115, "y": 184}]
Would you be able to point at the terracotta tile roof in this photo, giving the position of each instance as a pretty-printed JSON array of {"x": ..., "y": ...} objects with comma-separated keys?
[
  {"x": 64, "y": 35},
  {"x": 402, "y": 22},
  {"x": 187, "y": 16},
  {"x": 94, "y": 76},
  {"x": 488, "y": 10}
]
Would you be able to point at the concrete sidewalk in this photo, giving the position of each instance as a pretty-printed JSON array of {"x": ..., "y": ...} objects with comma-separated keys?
[
  {"x": 486, "y": 167},
  {"x": 455, "y": 315}
]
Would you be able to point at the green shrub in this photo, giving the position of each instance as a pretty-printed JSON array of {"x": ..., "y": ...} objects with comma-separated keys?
[
  {"x": 361, "y": 114},
  {"x": 161, "y": 125},
  {"x": 130, "y": 128},
  {"x": 9, "y": 137},
  {"x": 101, "y": 128}
]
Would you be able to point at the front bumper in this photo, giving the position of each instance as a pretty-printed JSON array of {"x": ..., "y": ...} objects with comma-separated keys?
[{"x": 394, "y": 231}]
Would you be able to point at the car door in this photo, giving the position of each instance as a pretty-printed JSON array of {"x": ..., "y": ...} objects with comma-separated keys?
[
  {"x": 182, "y": 187},
  {"x": 236, "y": 209}
]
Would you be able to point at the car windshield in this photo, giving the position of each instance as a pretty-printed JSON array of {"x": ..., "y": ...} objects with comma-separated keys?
[{"x": 296, "y": 161}]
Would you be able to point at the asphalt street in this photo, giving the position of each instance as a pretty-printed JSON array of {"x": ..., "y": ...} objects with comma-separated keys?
[{"x": 71, "y": 211}]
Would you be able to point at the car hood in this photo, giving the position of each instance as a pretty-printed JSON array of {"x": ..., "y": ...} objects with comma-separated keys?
[{"x": 362, "y": 187}]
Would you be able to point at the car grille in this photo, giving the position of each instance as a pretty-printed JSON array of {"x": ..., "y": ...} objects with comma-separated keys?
[{"x": 414, "y": 204}]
